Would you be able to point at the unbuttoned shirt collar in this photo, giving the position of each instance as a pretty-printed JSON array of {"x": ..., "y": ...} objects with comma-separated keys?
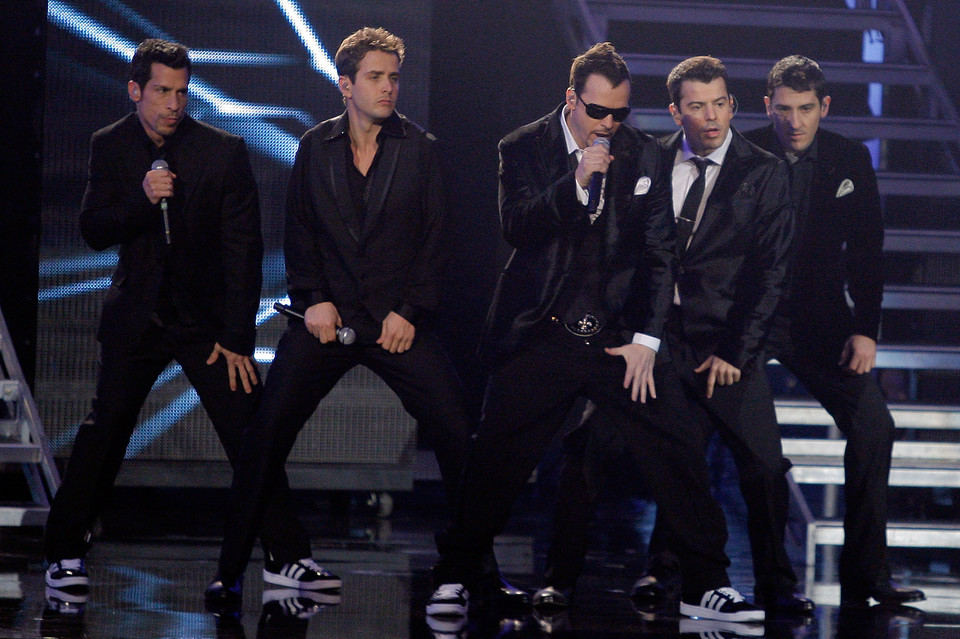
[
  {"x": 716, "y": 157},
  {"x": 572, "y": 146}
]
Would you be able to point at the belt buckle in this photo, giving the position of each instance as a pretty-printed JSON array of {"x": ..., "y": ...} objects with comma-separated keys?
[{"x": 586, "y": 326}]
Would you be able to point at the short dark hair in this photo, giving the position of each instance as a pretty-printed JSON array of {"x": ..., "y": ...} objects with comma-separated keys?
[
  {"x": 701, "y": 68},
  {"x": 601, "y": 59},
  {"x": 798, "y": 73},
  {"x": 357, "y": 44},
  {"x": 171, "y": 54}
]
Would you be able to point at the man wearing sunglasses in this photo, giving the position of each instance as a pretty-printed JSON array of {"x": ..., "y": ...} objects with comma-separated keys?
[
  {"x": 734, "y": 226},
  {"x": 578, "y": 312}
]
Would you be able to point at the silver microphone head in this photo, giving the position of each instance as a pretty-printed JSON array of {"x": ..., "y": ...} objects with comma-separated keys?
[
  {"x": 602, "y": 141},
  {"x": 346, "y": 335},
  {"x": 160, "y": 165}
]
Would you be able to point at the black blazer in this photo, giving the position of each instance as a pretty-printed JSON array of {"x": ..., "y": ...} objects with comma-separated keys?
[
  {"x": 544, "y": 221},
  {"x": 734, "y": 270},
  {"x": 839, "y": 244},
  {"x": 213, "y": 265},
  {"x": 395, "y": 261}
]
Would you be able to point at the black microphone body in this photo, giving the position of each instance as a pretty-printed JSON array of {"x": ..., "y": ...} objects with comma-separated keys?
[
  {"x": 345, "y": 334},
  {"x": 596, "y": 180},
  {"x": 161, "y": 165}
]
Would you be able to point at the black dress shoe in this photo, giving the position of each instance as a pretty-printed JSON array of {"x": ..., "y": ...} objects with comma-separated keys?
[
  {"x": 550, "y": 597},
  {"x": 223, "y": 598},
  {"x": 649, "y": 590},
  {"x": 784, "y": 603},
  {"x": 510, "y": 595},
  {"x": 888, "y": 593}
]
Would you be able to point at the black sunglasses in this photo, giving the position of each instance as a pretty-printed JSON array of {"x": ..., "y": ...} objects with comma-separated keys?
[{"x": 597, "y": 112}]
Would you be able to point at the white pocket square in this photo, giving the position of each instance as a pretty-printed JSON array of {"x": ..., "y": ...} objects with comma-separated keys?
[
  {"x": 643, "y": 185},
  {"x": 846, "y": 188}
]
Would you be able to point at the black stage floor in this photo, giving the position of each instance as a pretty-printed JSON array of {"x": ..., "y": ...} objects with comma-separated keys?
[{"x": 157, "y": 551}]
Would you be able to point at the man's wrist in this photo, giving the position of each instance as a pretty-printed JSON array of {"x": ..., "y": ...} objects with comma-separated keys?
[{"x": 646, "y": 340}]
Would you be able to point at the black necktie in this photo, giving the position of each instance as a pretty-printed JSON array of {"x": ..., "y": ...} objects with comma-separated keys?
[{"x": 691, "y": 204}]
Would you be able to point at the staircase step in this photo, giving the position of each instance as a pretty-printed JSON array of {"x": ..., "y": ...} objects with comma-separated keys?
[
  {"x": 829, "y": 532},
  {"x": 808, "y": 412},
  {"x": 921, "y": 241},
  {"x": 829, "y": 471},
  {"x": 729, "y": 14},
  {"x": 659, "y": 120},
  {"x": 906, "y": 452},
  {"x": 14, "y": 515},
  {"x": 20, "y": 453},
  {"x": 657, "y": 65}
]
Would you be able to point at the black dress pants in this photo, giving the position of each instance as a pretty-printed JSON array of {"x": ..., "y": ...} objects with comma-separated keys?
[
  {"x": 527, "y": 400},
  {"x": 302, "y": 373},
  {"x": 857, "y": 405},
  {"x": 745, "y": 419},
  {"x": 589, "y": 452},
  {"x": 123, "y": 383}
]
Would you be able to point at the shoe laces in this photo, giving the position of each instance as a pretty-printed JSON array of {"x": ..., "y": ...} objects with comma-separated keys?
[
  {"x": 71, "y": 564},
  {"x": 449, "y": 591},
  {"x": 730, "y": 593},
  {"x": 312, "y": 565}
]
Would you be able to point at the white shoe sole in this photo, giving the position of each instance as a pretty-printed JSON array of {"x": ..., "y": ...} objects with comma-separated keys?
[
  {"x": 447, "y": 609},
  {"x": 287, "y": 582},
  {"x": 279, "y": 594},
  {"x": 66, "y": 582},
  {"x": 699, "y": 612}
]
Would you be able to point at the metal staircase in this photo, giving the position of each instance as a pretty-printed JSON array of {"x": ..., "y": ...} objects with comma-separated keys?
[
  {"x": 916, "y": 150},
  {"x": 23, "y": 442}
]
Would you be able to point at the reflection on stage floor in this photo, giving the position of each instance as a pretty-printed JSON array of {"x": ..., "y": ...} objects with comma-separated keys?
[{"x": 157, "y": 550}]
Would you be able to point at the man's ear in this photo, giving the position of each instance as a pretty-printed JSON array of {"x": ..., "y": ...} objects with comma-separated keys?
[
  {"x": 675, "y": 113},
  {"x": 133, "y": 91}
]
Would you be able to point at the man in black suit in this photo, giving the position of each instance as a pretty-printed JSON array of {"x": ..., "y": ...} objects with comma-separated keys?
[
  {"x": 187, "y": 288},
  {"x": 735, "y": 226},
  {"x": 364, "y": 247},
  {"x": 828, "y": 345},
  {"x": 578, "y": 311}
]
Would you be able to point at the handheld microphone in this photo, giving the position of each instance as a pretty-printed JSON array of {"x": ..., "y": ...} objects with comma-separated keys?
[
  {"x": 596, "y": 180},
  {"x": 161, "y": 165},
  {"x": 345, "y": 334}
]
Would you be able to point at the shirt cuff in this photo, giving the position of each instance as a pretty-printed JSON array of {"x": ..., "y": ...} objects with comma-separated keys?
[
  {"x": 646, "y": 340},
  {"x": 582, "y": 194}
]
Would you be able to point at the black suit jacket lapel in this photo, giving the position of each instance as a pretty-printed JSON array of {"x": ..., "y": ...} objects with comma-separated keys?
[
  {"x": 625, "y": 159},
  {"x": 331, "y": 165},
  {"x": 189, "y": 170},
  {"x": 376, "y": 192},
  {"x": 722, "y": 193},
  {"x": 824, "y": 188},
  {"x": 554, "y": 159}
]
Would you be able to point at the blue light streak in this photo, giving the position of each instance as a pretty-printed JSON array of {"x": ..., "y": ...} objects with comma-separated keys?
[
  {"x": 74, "y": 289},
  {"x": 242, "y": 118},
  {"x": 78, "y": 263},
  {"x": 318, "y": 55}
]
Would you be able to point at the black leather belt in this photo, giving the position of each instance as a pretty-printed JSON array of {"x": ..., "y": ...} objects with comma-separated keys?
[{"x": 586, "y": 326}]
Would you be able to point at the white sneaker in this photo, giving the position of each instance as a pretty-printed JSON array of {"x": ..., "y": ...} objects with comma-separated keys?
[
  {"x": 449, "y": 599},
  {"x": 723, "y": 604},
  {"x": 67, "y": 572},
  {"x": 305, "y": 574}
]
